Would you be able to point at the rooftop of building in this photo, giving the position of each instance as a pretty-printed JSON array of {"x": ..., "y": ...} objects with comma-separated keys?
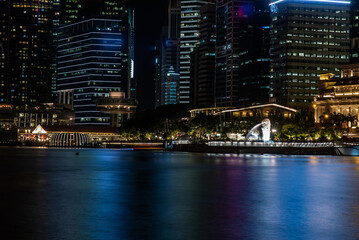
[{"x": 259, "y": 107}]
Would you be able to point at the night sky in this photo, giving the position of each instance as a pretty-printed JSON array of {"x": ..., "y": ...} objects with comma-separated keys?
[{"x": 150, "y": 16}]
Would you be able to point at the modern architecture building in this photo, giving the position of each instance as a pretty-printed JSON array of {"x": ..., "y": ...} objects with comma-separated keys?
[
  {"x": 242, "y": 48},
  {"x": 56, "y": 25},
  {"x": 174, "y": 19},
  {"x": 95, "y": 56},
  {"x": 167, "y": 76},
  {"x": 190, "y": 21},
  {"x": 93, "y": 60},
  {"x": 354, "y": 32},
  {"x": 167, "y": 61},
  {"x": 26, "y": 43},
  {"x": 308, "y": 38},
  {"x": 203, "y": 59},
  {"x": 70, "y": 11}
]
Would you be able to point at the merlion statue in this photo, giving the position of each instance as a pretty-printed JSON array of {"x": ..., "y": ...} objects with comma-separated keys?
[
  {"x": 255, "y": 133},
  {"x": 266, "y": 130}
]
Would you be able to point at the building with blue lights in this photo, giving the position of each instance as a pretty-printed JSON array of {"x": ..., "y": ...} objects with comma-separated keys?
[
  {"x": 168, "y": 60},
  {"x": 93, "y": 60},
  {"x": 308, "y": 38},
  {"x": 242, "y": 53},
  {"x": 167, "y": 76}
]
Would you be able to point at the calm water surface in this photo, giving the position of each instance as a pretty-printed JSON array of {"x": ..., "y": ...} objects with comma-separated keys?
[{"x": 54, "y": 194}]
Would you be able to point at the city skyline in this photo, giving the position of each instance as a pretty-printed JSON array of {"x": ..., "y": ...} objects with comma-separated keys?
[{"x": 233, "y": 84}]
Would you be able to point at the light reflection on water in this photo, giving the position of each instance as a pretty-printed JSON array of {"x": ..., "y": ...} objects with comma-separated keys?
[{"x": 109, "y": 194}]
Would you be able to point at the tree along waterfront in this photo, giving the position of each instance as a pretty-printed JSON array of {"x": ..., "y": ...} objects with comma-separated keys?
[{"x": 174, "y": 122}]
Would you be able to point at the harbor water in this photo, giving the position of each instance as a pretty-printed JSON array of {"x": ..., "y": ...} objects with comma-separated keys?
[{"x": 94, "y": 194}]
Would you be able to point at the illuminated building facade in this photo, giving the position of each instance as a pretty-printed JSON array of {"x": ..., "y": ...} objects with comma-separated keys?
[
  {"x": 117, "y": 105},
  {"x": 93, "y": 60},
  {"x": 95, "y": 56},
  {"x": 26, "y": 36},
  {"x": 167, "y": 61},
  {"x": 203, "y": 59},
  {"x": 71, "y": 11},
  {"x": 68, "y": 136},
  {"x": 338, "y": 95},
  {"x": 308, "y": 38},
  {"x": 49, "y": 115},
  {"x": 190, "y": 21},
  {"x": 354, "y": 32},
  {"x": 167, "y": 73},
  {"x": 56, "y": 25},
  {"x": 77, "y": 10},
  {"x": 242, "y": 52}
]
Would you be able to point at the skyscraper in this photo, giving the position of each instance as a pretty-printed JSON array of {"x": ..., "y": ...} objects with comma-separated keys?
[
  {"x": 190, "y": 20},
  {"x": 354, "y": 32},
  {"x": 71, "y": 11},
  {"x": 242, "y": 48},
  {"x": 167, "y": 77},
  {"x": 308, "y": 38},
  {"x": 174, "y": 19},
  {"x": 27, "y": 51},
  {"x": 167, "y": 73},
  {"x": 203, "y": 59},
  {"x": 95, "y": 57}
]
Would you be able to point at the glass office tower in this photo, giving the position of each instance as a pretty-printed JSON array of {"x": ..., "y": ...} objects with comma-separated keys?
[
  {"x": 308, "y": 38},
  {"x": 242, "y": 52},
  {"x": 190, "y": 23},
  {"x": 93, "y": 60}
]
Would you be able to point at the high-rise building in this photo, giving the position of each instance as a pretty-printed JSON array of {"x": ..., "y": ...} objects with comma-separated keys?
[
  {"x": 92, "y": 62},
  {"x": 96, "y": 57},
  {"x": 71, "y": 11},
  {"x": 308, "y": 38},
  {"x": 56, "y": 25},
  {"x": 174, "y": 19},
  {"x": 78, "y": 10},
  {"x": 167, "y": 76},
  {"x": 203, "y": 59},
  {"x": 190, "y": 21},
  {"x": 242, "y": 48},
  {"x": 27, "y": 51},
  {"x": 3, "y": 39},
  {"x": 157, "y": 78},
  {"x": 354, "y": 32},
  {"x": 167, "y": 61}
]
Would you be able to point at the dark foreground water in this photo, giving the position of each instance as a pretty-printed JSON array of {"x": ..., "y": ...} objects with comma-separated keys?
[{"x": 54, "y": 194}]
